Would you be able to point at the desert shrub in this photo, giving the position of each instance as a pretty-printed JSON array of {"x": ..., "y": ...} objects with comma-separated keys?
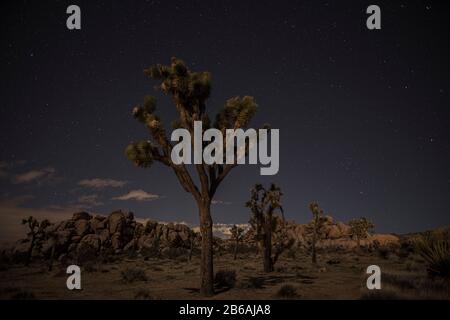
[
  {"x": 253, "y": 283},
  {"x": 402, "y": 282},
  {"x": 133, "y": 274},
  {"x": 143, "y": 294},
  {"x": 404, "y": 248},
  {"x": 412, "y": 267},
  {"x": 434, "y": 248},
  {"x": 225, "y": 279},
  {"x": 287, "y": 292},
  {"x": 383, "y": 252}
]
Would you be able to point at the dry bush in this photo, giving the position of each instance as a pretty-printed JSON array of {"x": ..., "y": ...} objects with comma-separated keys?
[
  {"x": 287, "y": 292},
  {"x": 143, "y": 294},
  {"x": 133, "y": 274},
  {"x": 225, "y": 279},
  {"x": 416, "y": 287},
  {"x": 253, "y": 283},
  {"x": 434, "y": 248}
]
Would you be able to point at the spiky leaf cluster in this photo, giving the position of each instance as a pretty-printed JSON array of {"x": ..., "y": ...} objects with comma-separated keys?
[
  {"x": 190, "y": 89},
  {"x": 236, "y": 113},
  {"x": 141, "y": 153}
]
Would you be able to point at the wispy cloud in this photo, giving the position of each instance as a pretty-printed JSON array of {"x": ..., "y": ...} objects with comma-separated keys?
[
  {"x": 37, "y": 175},
  {"x": 139, "y": 195},
  {"x": 89, "y": 201},
  {"x": 98, "y": 183}
]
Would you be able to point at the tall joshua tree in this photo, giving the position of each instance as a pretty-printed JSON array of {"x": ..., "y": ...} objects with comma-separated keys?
[
  {"x": 189, "y": 92},
  {"x": 35, "y": 234},
  {"x": 264, "y": 205},
  {"x": 315, "y": 227},
  {"x": 360, "y": 229}
]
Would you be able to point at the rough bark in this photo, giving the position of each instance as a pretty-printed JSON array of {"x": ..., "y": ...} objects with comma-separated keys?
[
  {"x": 206, "y": 266},
  {"x": 268, "y": 263}
]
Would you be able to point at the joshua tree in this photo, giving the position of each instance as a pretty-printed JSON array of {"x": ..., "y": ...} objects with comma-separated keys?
[
  {"x": 315, "y": 228},
  {"x": 360, "y": 229},
  {"x": 264, "y": 205},
  {"x": 53, "y": 237},
  {"x": 35, "y": 234},
  {"x": 190, "y": 91},
  {"x": 237, "y": 233}
]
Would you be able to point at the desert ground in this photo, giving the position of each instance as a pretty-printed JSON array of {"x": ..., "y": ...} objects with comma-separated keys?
[{"x": 338, "y": 275}]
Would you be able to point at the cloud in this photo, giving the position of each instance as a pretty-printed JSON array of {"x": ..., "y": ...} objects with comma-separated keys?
[
  {"x": 139, "y": 195},
  {"x": 38, "y": 175},
  {"x": 89, "y": 201},
  {"x": 98, "y": 183},
  {"x": 220, "y": 202}
]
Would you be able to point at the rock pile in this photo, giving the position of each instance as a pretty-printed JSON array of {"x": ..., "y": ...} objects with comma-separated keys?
[
  {"x": 333, "y": 235},
  {"x": 86, "y": 237}
]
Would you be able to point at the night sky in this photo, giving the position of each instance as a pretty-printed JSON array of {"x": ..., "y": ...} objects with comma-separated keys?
[{"x": 363, "y": 115}]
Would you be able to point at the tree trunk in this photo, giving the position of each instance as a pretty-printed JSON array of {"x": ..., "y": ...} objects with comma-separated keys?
[
  {"x": 268, "y": 264},
  {"x": 191, "y": 248},
  {"x": 52, "y": 256},
  {"x": 313, "y": 253},
  {"x": 30, "y": 251},
  {"x": 235, "y": 249},
  {"x": 206, "y": 264}
]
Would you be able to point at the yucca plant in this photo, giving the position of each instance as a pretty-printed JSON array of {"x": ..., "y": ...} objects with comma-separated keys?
[{"x": 434, "y": 248}]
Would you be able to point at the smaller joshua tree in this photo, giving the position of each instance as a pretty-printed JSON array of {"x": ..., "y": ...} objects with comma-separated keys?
[
  {"x": 237, "y": 234},
  {"x": 314, "y": 228},
  {"x": 360, "y": 229},
  {"x": 267, "y": 226},
  {"x": 35, "y": 234}
]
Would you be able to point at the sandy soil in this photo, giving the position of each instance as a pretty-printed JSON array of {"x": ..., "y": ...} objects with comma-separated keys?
[{"x": 338, "y": 276}]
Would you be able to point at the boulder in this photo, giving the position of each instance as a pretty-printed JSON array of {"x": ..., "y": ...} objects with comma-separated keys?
[
  {"x": 82, "y": 227},
  {"x": 88, "y": 248},
  {"x": 116, "y": 241},
  {"x": 333, "y": 232},
  {"x": 150, "y": 225},
  {"x": 97, "y": 224},
  {"x": 131, "y": 246},
  {"x": 104, "y": 236},
  {"x": 116, "y": 222},
  {"x": 90, "y": 240},
  {"x": 344, "y": 229},
  {"x": 81, "y": 216},
  {"x": 384, "y": 239}
]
